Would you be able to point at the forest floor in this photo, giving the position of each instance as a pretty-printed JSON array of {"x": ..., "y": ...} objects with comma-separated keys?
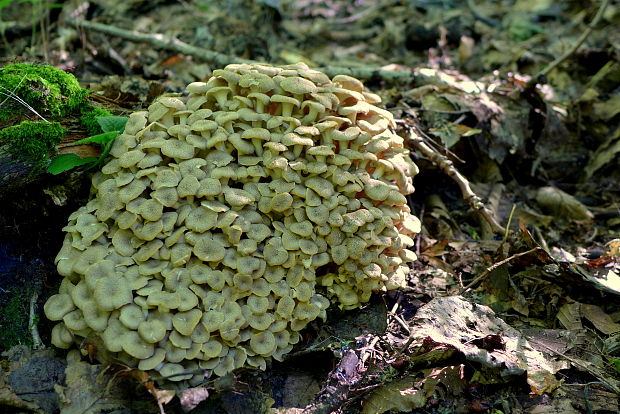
[{"x": 510, "y": 309}]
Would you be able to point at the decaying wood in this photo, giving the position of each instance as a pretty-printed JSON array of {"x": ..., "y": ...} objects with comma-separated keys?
[{"x": 339, "y": 386}]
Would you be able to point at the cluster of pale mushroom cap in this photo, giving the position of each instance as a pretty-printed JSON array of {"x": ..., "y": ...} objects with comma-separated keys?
[{"x": 229, "y": 219}]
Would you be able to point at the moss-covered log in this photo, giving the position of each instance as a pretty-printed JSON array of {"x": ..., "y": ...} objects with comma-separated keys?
[{"x": 38, "y": 105}]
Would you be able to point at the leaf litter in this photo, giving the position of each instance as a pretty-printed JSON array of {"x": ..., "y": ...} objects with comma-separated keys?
[{"x": 524, "y": 320}]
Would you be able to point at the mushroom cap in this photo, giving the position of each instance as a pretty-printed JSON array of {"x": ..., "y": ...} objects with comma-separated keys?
[
  {"x": 135, "y": 346},
  {"x": 226, "y": 221},
  {"x": 153, "y": 361},
  {"x": 152, "y": 331},
  {"x": 185, "y": 322},
  {"x": 61, "y": 336},
  {"x": 174, "y": 372},
  {"x": 112, "y": 292},
  {"x": 57, "y": 306},
  {"x": 297, "y": 85},
  {"x": 263, "y": 343}
]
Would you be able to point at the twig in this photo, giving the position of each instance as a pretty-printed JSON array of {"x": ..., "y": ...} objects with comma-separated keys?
[
  {"x": 569, "y": 52},
  {"x": 401, "y": 322},
  {"x": 486, "y": 273},
  {"x": 446, "y": 166},
  {"x": 36, "y": 338},
  {"x": 175, "y": 45},
  {"x": 159, "y": 41}
]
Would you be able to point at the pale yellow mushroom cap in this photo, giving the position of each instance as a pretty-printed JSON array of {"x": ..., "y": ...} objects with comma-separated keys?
[
  {"x": 227, "y": 220},
  {"x": 263, "y": 343},
  {"x": 112, "y": 292},
  {"x": 61, "y": 336},
  {"x": 185, "y": 322},
  {"x": 135, "y": 346},
  {"x": 57, "y": 306}
]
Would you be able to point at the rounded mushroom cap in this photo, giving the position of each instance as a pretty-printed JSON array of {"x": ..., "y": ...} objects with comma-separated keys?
[
  {"x": 297, "y": 85},
  {"x": 135, "y": 346},
  {"x": 185, "y": 322},
  {"x": 211, "y": 349},
  {"x": 112, "y": 292},
  {"x": 152, "y": 331},
  {"x": 213, "y": 226},
  {"x": 57, "y": 306},
  {"x": 263, "y": 343},
  {"x": 61, "y": 336},
  {"x": 174, "y": 372}
]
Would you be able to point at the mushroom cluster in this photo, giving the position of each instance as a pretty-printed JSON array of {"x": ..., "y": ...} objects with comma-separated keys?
[{"x": 229, "y": 219}]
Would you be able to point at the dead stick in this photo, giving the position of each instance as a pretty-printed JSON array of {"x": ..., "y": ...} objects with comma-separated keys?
[
  {"x": 488, "y": 271},
  {"x": 159, "y": 41},
  {"x": 175, "y": 45},
  {"x": 32, "y": 324},
  {"x": 573, "y": 49},
  {"x": 446, "y": 166}
]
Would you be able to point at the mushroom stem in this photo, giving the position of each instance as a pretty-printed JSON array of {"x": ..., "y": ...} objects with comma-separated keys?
[{"x": 258, "y": 146}]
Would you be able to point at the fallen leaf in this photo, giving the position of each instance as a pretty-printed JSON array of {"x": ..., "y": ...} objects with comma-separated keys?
[
  {"x": 87, "y": 390},
  {"x": 561, "y": 204},
  {"x": 402, "y": 395},
  {"x": 600, "y": 319},
  {"x": 569, "y": 316},
  {"x": 461, "y": 325}
]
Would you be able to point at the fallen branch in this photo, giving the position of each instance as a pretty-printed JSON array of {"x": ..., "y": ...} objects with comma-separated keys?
[
  {"x": 445, "y": 165},
  {"x": 488, "y": 271},
  {"x": 160, "y": 41},
  {"x": 578, "y": 43},
  {"x": 37, "y": 343},
  {"x": 219, "y": 59}
]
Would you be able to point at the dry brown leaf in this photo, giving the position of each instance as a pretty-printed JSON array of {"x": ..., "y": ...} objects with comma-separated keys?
[
  {"x": 87, "y": 390},
  {"x": 600, "y": 319},
  {"x": 481, "y": 336},
  {"x": 569, "y": 316}
]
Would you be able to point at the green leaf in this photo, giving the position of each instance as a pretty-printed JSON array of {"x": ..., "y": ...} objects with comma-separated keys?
[
  {"x": 66, "y": 162},
  {"x": 112, "y": 123},
  {"x": 101, "y": 139}
]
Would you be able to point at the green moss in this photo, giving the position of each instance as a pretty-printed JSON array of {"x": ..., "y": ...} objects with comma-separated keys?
[
  {"x": 89, "y": 119},
  {"x": 31, "y": 142},
  {"x": 45, "y": 88},
  {"x": 14, "y": 321}
]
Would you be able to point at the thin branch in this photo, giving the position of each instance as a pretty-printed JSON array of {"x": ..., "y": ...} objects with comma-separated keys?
[
  {"x": 446, "y": 166},
  {"x": 573, "y": 49},
  {"x": 488, "y": 271},
  {"x": 32, "y": 325},
  {"x": 175, "y": 45},
  {"x": 159, "y": 41}
]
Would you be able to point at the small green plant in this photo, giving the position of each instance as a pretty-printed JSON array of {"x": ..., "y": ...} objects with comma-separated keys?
[
  {"x": 89, "y": 119},
  {"x": 112, "y": 126}
]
